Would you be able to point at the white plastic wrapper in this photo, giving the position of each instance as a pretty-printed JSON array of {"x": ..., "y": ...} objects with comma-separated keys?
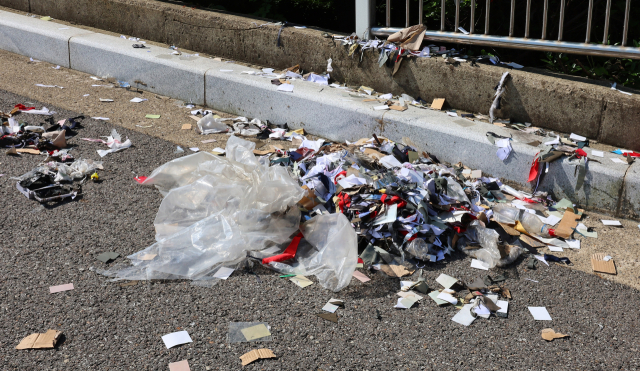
[
  {"x": 215, "y": 211},
  {"x": 329, "y": 251},
  {"x": 210, "y": 125}
]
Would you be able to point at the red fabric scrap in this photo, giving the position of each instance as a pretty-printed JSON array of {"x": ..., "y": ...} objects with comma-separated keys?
[
  {"x": 22, "y": 107},
  {"x": 535, "y": 170},
  {"x": 580, "y": 153},
  {"x": 393, "y": 200}
]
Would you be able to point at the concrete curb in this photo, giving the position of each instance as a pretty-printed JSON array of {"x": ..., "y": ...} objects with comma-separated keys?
[{"x": 320, "y": 110}]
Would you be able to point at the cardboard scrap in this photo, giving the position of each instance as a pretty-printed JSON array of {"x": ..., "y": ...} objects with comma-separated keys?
[
  {"x": 548, "y": 334},
  {"x": 531, "y": 241},
  {"x": 437, "y": 103},
  {"x": 255, "y": 355},
  {"x": 47, "y": 340},
  {"x": 568, "y": 223},
  {"x": 398, "y": 108},
  {"x": 599, "y": 264},
  {"x": 186, "y": 127},
  {"x": 28, "y": 150},
  {"x": 301, "y": 281},
  {"x": 54, "y": 289},
  {"x": 179, "y": 366}
]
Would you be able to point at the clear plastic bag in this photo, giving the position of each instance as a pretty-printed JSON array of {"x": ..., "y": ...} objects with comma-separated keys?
[
  {"x": 210, "y": 125},
  {"x": 329, "y": 251},
  {"x": 215, "y": 210},
  {"x": 488, "y": 239}
]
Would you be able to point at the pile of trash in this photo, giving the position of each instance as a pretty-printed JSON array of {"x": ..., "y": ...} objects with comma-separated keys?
[{"x": 312, "y": 209}]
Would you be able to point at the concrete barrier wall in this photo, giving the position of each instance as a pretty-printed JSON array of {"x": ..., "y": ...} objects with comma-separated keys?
[{"x": 562, "y": 104}]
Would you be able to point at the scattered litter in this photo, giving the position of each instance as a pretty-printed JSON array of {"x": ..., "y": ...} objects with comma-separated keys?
[
  {"x": 548, "y": 334},
  {"x": 464, "y": 316},
  {"x": 475, "y": 263},
  {"x": 223, "y": 273},
  {"x": 178, "y": 150},
  {"x": 152, "y": 116},
  {"x": 101, "y": 118},
  {"x": 60, "y": 288},
  {"x": 176, "y": 338},
  {"x": 208, "y": 141},
  {"x": 612, "y": 223},
  {"x": 137, "y": 100},
  {"x": 115, "y": 144},
  {"x": 301, "y": 281},
  {"x": 256, "y": 354},
  {"x": 285, "y": 88},
  {"x": 361, "y": 276},
  {"x": 329, "y": 316},
  {"x": 48, "y": 340},
  {"x": 248, "y": 331},
  {"x": 540, "y": 313},
  {"x": 179, "y": 366},
  {"x": 106, "y": 257},
  {"x": 186, "y": 127},
  {"x": 603, "y": 263},
  {"x": 106, "y": 100}
]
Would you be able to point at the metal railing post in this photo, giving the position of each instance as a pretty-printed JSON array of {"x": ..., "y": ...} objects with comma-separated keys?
[
  {"x": 605, "y": 38},
  {"x": 365, "y": 17}
]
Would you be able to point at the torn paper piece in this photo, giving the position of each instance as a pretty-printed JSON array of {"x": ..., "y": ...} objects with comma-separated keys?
[
  {"x": 255, "y": 332},
  {"x": 381, "y": 108},
  {"x": 223, "y": 273},
  {"x": 256, "y": 354},
  {"x": 447, "y": 296},
  {"x": 505, "y": 148},
  {"x": 574, "y": 244},
  {"x": 597, "y": 153},
  {"x": 434, "y": 295},
  {"x": 49, "y": 86},
  {"x": 612, "y": 223},
  {"x": 186, "y": 127},
  {"x": 464, "y": 316},
  {"x": 555, "y": 248},
  {"x": 194, "y": 149},
  {"x": 475, "y": 263},
  {"x": 106, "y": 257},
  {"x": 551, "y": 219},
  {"x": 208, "y": 141},
  {"x": 390, "y": 162},
  {"x": 285, "y": 87},
  {"x": 618, "y": 161},
  {"x": 583, "y": 230},
  {"x": 541, "y": 258},
  {"x": 106, "y": 100},
  {"x": 101, "y": 118},
  {"x": 553, "y": 142},
  {"x": 389, "y": 217},
  {"x": 446, "y": 281},
  {"x": 137, "y": 100},
  {"x": 405, "y": 303},
  {"x": 43, "y": 111},
  {"x": 301, "y": 281},
  {"x": 540, "y": 313},
  {"x": 329, "y": 317},
  {"x": 114, "y": 142},
  {"x": 60, "y": 288},
  {"x": 47, "y": 340},
  {"x": 236, "y": 335},
  {"x": 361, "y": 276},
  {"x": 331, "y": 308},
  {"x": 504, "y": 308},
  {"x": 548, "y": 334},
  {"x": 176, "y": 338},
  {"x": 179, "y": 366},
  {"x": 577, "y": 138}
]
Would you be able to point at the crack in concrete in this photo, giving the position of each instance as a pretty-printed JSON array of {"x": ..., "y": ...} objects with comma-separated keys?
[{"x": 620, "y": 193}]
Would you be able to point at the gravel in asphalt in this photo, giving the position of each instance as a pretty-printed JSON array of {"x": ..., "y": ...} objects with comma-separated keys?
[{"x": 110, "y": 327}]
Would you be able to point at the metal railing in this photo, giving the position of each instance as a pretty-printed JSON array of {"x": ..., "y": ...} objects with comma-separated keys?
[{"x": 365, "y": 27}]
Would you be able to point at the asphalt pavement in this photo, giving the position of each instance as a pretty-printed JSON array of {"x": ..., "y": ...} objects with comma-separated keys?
[{"x": 110, "y": 327}]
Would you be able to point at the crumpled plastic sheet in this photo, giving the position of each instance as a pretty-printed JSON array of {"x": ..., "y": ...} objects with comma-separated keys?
[
  {"x": 489, "y": 253},
  {"x": 217, "y": 209},
  {"x": 329, "y": 251},
  {"x": 115, "y": 143}
]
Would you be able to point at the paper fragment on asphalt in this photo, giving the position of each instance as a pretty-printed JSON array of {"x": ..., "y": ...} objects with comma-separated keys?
[
  {"x": 301, "y": 281},
  {"x": 208, "y": 141},
  {"x": 555, "y": 248},
  {"x": 101, "y": 118},
  {"x": 47, "y": 340},
  {"x": 478, "y": 264},
  {"x": 597, "y": 153},
  {"x": 179, "y": 366},
  {"x": 548, "y": 334},
  {"x": 583, "y": 230},
  {"x": 105, "y": 257},
  {"x": 331, "y": 308},
  {"x": 574, "y": 244},
  {"x": 223, "y": 273},
  {"x": 194, "y": 149},
  {"x": 611, "y": 222},
  {"x": 434, "y": 295},
  {"x": 405, "y": 303},
  {"x": 137, "y": 100},
  {"x": 329, "y": 316},
  {"x": 285, "y": 88},
  {"x": 541, "y": 258},
  {"x": 504, "y": 308},
  {"x": 540, "y": 313},
  {"x": 60, "y": 288},
  {"x": 446, "y": 296},
  {"x": 106, "y": 100},
  {"x": 361, "y": 276},
  {"x": 255, "y": 332},
  {"x": 464, "y": 316},
  {"x": 186, "y": 127},
  {"x": 381, "y": 108},
  {"x": 256, "y": 354},
  {"x": 176, "y": 338},
  {"x": 446, "y": 281}
]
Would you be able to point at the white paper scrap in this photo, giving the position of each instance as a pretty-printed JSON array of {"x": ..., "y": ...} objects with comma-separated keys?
[
  {"x": 389, "y": 217},
  {"x": 405, "y": 303},
  {"x": 176, "y": 338},
  {"x": 137, "y": 100},
  {"x": 475, "y": 263},
  {"x": 390, "y": 162},
  {"x": 194, "y": 149},
  {"x": 551, "y": 219},
  {"x": 381, "y": 108},
  {"x": 541, "y": 258},
  {"x": 223, "y": 273},
  {"x": 618, "y": 161},
  {"x": 540, "y": 313},
  {"x": 285, "y": 88},
  {"x": 504, "y": 306},
  {"x": 331, "y": 308},
  {"x": 577, "y": 138},
  {"x": 447, "y": 297},
  {"x": 555, "y": 248},
  {"x": 574, "y": 244},
  {"x": 553, "y": 142},
  {"x": 464, "y": 316},
  {"x": 611, "y": 222},
  {"x": 101, "y": 118},
  {"x": 597, "y": 153}
]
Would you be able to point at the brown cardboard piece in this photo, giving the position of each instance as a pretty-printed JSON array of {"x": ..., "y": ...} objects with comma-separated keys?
[
  {"x": 548, "y": 334},
  {"x": 195, "y": 118},
  {"x": 599, "y": 265},
  {"x": 179, "y": 366},
  {"x": 186, "y": 127},
  {"x": 568, "y": 223},
  {"x": 373, "y": 153},
  {"x": 47, "y": 340},
  {"x": 33, "y": 151},
  {"x": 398, "y": 108},
  {"x": 531, "y": 241},
  {"x": 255, "y": 355},
  {"x": 309, "y": 201},
  {"x": 329, "y": 316},
  {"x": 60, "y": 141},
  {"x": 437, "y": 103}
]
